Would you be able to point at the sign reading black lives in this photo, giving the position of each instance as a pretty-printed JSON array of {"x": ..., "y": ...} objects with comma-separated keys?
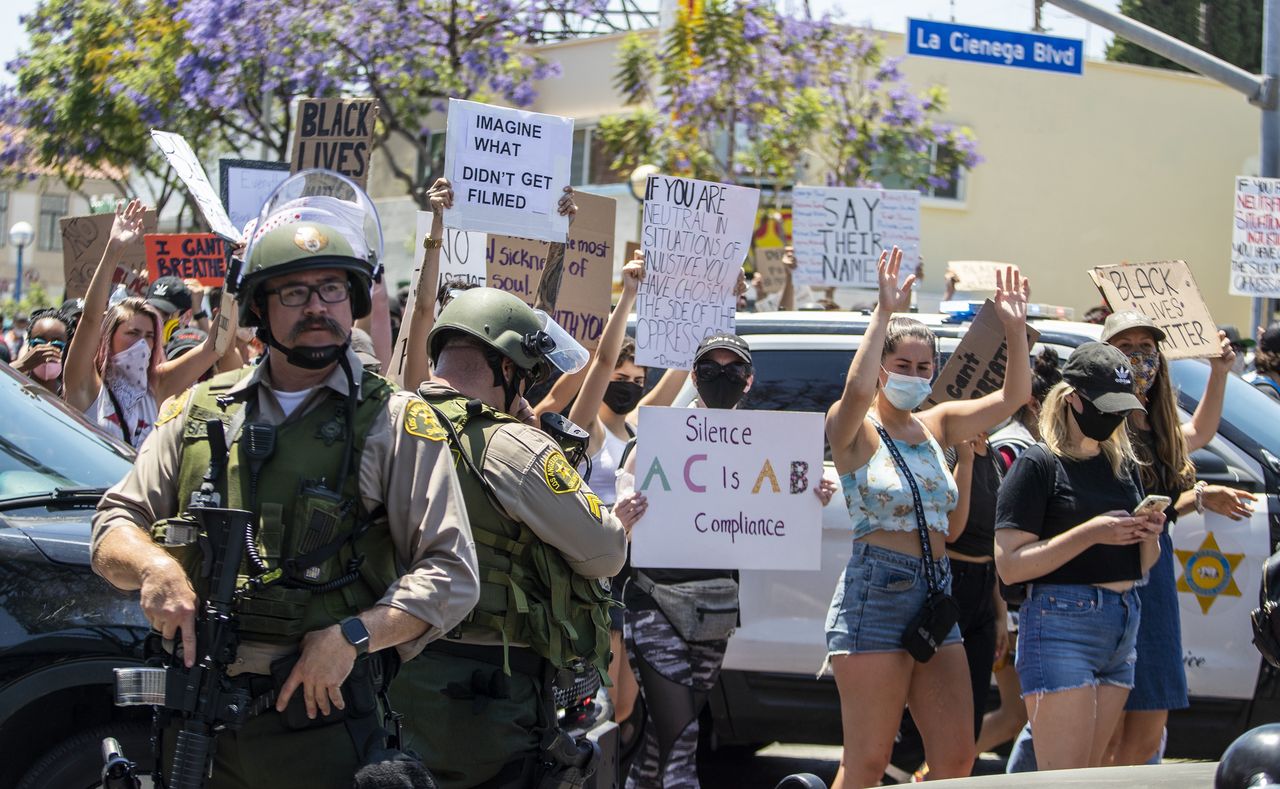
[{"x": 337, "y": 135}]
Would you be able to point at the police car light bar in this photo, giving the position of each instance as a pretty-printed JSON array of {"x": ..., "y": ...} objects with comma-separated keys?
[
  {"x": 140, "y": 687},
  {"x": 961, "y": 310}
]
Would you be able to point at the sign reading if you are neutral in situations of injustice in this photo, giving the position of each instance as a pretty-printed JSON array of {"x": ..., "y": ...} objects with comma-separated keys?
[
  {"x": 995, "y": 47},
  {"x": 729, "y": 489},
  {"x": 1255, "y": 238}
]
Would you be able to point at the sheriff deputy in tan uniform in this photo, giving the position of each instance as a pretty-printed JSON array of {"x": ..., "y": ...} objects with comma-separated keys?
[
  {"x": 543, "y": 541},
  {"x": 395, "y": 566}
]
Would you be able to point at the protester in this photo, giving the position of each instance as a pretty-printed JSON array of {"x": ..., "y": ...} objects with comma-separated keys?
[
  {"x": 16, "y": 335},
  {"x": 1081, "y": 556},
  {"x": 41, "y": 358},
  {"x": 1163, "y": 447},
  {"x": 890, "y": 574},
  {"x": 173, "y": 299},
  {"x": 1097, "y": 315},
  {"x": 1266, "y": 363},
  {"x": 1243, "y": 346},
  {"x": 115, "y": 371},
  {"x": 1024, "y": 429}
]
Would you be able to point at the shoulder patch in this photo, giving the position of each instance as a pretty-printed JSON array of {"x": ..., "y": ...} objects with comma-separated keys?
[
  {"x": 421, "y": 422},
  {"x": 594, "y": 504},
  {"x": 561, "y": 477},
  {"x": 173, "y": 407}
]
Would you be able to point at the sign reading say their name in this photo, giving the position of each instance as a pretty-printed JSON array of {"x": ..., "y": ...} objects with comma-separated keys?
[
  {"x": 508, "y": 169},
  {"x": 196, "y": 256},
  {"x": 729, "y": 489},
  {"x": 187, "y": 165},
  {"x": 84, "y": 239},
  {"x": 695, "y": 239},
  {"x": 1165, "y": 292},
  {"x": 840, "y": 233},
  {"x": 1255, "y": 238},
  {"x": 977, "y": 366},
  {"x": 337, "y": 135}
]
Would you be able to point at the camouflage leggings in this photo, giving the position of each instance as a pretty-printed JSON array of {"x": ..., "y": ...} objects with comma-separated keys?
[{"x": 675, "y": 679}]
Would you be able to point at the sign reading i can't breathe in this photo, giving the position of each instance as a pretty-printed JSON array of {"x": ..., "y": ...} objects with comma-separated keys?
[
  {"x": 729, "y": 489},
  {"x": 197, "y": 256},
  {"x": 508, "y": 169},
  {"x": 1165, "y": 292},
  {"x": 995, "y": 47}
]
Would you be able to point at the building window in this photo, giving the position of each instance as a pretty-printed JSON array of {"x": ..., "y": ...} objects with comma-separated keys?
[
  {"x": 4, "y": 218},
  {"x": 49, "y": 235},
  {"x": 589, "y": 165},
  {"x": 952, "y": 189}
]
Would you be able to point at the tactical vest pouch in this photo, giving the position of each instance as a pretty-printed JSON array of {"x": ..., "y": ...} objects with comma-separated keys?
[
  {"x": 295, "y": 713},
  {"x": 698, "y": 610}
]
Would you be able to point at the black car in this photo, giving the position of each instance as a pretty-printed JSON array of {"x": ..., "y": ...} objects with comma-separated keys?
[{"x": 62, "y": 628}]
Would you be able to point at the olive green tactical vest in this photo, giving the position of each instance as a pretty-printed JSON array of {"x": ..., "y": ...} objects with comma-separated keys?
[
  {"x": 307, "y": 449},
  {"x": 528, "y": 592}
]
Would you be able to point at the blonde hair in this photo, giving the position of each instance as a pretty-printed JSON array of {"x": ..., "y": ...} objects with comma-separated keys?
[{"x": 1055, "y": 432}]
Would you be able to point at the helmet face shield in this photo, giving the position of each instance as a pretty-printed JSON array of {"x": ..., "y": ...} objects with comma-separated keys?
[{"x": 557, "y": 346}]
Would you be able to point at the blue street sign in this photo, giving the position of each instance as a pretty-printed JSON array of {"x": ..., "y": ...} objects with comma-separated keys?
[{"x": 996, "y": 47}]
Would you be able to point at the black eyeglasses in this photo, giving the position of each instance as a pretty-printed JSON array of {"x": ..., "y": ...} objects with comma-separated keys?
[
  {"x": 300, "y": 295},
  {"x": 36, "y": 342},
  {"x": 707, "y": 370}
]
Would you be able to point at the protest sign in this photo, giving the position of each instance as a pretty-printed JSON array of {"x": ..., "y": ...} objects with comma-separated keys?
[
  {"x": 508, "y": 169},
  {"x": 335, "y": 134},
  {"x": 1165, "y": 292},
  {"x": 772, "y": 271},
  {"x": 198, "y": 256},
  {"x": 979, "y": 275},
  {"x": 518, "y": 265},
  {"x": 629, "y": 252},
  {"x": 1255, "y": 238},
  {"x": 976, "y": 367},
  {"x": 462, "y": 254},
  {"x": 695, "y": 239},
  {"x": 187, "y": 165},
  {"x": 245, "y": 185},
  {"x": 84, "y": 239},
  {"x": 729, "y": 489},
  {"x": 840, "y": 232}
]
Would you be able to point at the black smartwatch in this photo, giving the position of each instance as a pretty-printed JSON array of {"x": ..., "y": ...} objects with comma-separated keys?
[{"x": 356, "y": 634}]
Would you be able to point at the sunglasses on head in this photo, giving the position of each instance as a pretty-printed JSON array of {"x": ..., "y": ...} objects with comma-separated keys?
[
  {"x": 36, "y": 342},
  {"x": 707, "y": 370}
]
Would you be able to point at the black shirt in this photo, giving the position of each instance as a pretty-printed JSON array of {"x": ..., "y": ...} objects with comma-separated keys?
[
  {"x": 1047, "y": 496},
  {"x": 979, "y": 534}
]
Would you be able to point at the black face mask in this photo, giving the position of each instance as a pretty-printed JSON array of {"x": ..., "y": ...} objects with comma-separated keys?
[
  {"x": 622, "y": 397},
  {"x": 1094, "y": 423},
  {"x": 720, "y": 386}
]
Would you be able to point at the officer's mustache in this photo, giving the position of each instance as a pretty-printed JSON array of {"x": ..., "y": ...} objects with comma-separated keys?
[{"x": 316, "y": 324}]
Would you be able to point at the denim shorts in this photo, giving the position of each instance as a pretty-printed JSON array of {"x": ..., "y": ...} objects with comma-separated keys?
[
  {"x": 1075, "y": 636},
  {"x": 879, "y": 594}
]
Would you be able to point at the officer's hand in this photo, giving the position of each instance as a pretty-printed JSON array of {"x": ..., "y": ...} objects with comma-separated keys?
[
  {"x": 327, "y": 658},
  {"x": 169, "y": 604}
]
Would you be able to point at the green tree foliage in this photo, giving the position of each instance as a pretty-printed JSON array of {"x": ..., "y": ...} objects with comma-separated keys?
[{"x": 1231, "y": 30}]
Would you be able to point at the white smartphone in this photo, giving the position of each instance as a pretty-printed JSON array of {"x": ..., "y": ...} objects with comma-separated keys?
[{"x": 1152, "y": 504}]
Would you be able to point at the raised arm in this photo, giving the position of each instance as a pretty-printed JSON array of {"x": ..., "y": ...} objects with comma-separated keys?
[
  {"x": 417, "y": 363},
  {"x": 787, "y": 301},
  {"x": 845, "y": 417},
  {"x": 591, "y": 396},
  {"x": 1203, "y": 425},
  {"x": 177, "y": 375},
  {"x": 378, "y": 323}
]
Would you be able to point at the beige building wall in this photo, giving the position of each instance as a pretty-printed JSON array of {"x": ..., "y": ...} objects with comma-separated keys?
[{"x": 40, "y": 264}]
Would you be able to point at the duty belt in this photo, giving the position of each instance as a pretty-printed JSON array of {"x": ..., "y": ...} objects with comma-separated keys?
[{"x": 522, "y": 660}]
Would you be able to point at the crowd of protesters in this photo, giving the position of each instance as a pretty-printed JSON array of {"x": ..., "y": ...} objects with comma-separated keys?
[{"x": 976, "y": 500}]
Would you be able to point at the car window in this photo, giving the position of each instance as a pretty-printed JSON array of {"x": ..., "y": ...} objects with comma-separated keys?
[
  {"x": 1249, "y": 417},
  {"x": 43, "y": 446}
]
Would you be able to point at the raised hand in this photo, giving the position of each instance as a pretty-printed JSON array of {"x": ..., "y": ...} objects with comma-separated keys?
[
  {"x": 440, "y": 195},
  {"x": 1223, "y": 362},
  {"x": 632, "y": 274},
  {"x": 1013, "y": 291},
  {"x": 893, "y": 297},
  {"x": 127, "y": 229},
  {"x": 566, "y": 206}
]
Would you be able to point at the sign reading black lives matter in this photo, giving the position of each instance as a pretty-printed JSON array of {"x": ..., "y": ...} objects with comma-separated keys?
[
  {"x": 838, "y": 234},
  {"x": 337, "y": 135},
  {"x": 1165, "y": 292},
  {"x": 695, "y": 238},
  {"x": 508, "y": 169}
]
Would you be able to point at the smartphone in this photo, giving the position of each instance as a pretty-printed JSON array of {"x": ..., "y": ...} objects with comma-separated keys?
[{"x": 1152, "y": 504}]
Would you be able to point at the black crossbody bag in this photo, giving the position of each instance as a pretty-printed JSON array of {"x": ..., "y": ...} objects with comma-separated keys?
[{"x": 939, "y": 613}]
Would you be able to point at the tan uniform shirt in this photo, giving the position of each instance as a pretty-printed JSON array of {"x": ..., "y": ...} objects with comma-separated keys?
[{"x": 402, "y": 470}]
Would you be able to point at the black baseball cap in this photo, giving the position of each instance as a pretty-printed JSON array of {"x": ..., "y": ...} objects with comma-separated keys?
[
  {"x": 1233, "y": 337},
  {"x": 729, "y": 342},
  {"x": 1102, "y": 375},
  {"x": 184, "y": 340},
  {"x": 1118, "y": 322},
  {"x": 1270, "y": 340},
  {"x": 169, "y": 295}
]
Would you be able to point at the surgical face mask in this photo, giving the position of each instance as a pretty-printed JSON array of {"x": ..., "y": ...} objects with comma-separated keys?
[
  {"x": 905, "y": 392},
  {"x": 130, "y": 365},
  {"x": 720, "y": 385},
  {"x": 1094, "y": 423},
  {"x": 1145, "y": 366},
  {"x": 49, "y": 371},
  {"x": 622, "y": 397}
]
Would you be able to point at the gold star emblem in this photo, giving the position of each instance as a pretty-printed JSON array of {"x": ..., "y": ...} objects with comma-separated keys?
[{"x": 1208, "y": 572}]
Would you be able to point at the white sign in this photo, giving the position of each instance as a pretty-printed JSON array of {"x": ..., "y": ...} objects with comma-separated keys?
[
  {"x": 838, "y": 233},
  {"x": 696, "y": 236},
  {"x": 729, "y": 489},
  {"x": 509, "y": 169},
  {"x": 187, "y": 165},
  {"x": 246, "y": 185},
  {"x": 462, "y": 255},
  {"x": 1255, "y": 238}
]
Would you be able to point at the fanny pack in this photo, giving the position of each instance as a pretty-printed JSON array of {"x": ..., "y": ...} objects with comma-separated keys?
[{"x": 698, "y": 610}]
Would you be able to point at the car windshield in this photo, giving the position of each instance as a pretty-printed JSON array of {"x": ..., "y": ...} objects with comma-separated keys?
[
  {"x": 1249, "y": 417},
  {"x": 43, "y": 446}
]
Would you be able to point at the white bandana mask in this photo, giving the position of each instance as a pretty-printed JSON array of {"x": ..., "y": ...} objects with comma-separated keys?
[{"x": 127, "y": 374}]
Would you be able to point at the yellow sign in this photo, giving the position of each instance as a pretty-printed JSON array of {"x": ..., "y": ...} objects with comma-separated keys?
[
  {"x": 1208, "y": 572},
  {"x": 560, "y": 476},
  {"x": 419, "y": 421}
]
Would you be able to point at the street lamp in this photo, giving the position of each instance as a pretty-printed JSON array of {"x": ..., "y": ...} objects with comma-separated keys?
[
  {"x": 639, "y": 179},
  {"x": 20, "y": 235}
]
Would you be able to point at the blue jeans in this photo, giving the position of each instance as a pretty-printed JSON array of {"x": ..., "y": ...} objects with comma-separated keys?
[{"x": 1074, "y": 636}]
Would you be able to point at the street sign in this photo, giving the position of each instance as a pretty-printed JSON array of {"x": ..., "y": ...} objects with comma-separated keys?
[{"x": 995, "y": 47}]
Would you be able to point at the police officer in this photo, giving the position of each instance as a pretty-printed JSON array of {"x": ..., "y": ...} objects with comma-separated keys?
[
  {"x": 358, "y": 511},
  {"x": 542, "y": 538}
]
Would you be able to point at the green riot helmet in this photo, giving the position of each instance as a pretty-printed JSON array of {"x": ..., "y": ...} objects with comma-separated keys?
[{"x": 512, "y": 329}]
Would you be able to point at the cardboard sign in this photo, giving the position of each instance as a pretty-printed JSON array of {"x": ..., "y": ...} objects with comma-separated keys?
[
  {"x": 198, "y": 256},
  {"x": 1165, "y": 292},
  {"x": 336, "y": 135},
  {"x": 516, "y": 265},
  {"x": 977, "y": 275},
  {"x": 629, "y": 252},
  {"x": 695, "y": 239},
  {"x": 508, "y": 169},
  {"x": 977, "y": 366},
  {"x": 840, "y": 232},
  {"x": 84, "y": 239},
  {"x": 1255, "y": 238},
  {"x": 773, "y": 272},
  {"x": 245, "y": 185},
  {"x": 187, "y": 165},
  {"x": 729, "y": 489}
]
